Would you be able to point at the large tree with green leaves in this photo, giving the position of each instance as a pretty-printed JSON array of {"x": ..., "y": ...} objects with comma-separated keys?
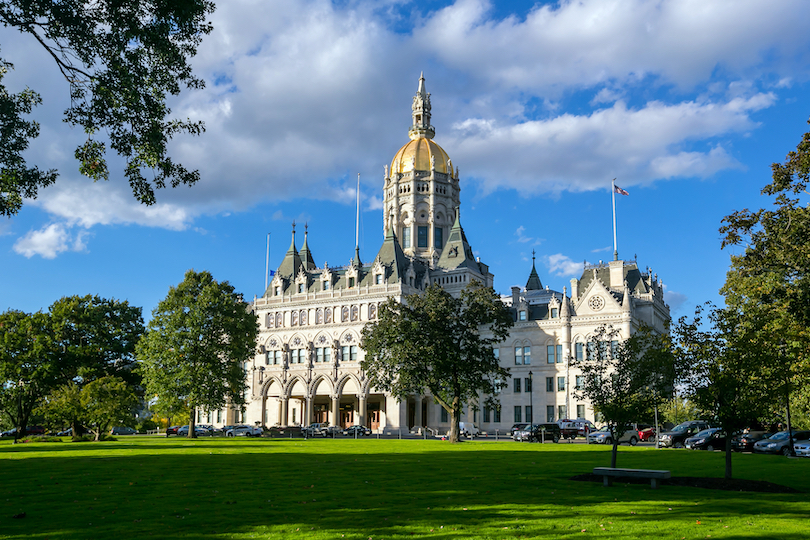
[
  {"x": 435, "y": 343},
  {"x": 28, "y": 367},
  {"x": 768, "y": 284},
  {"x": 121, "y": 61},
  {"x": 196, "y": 346},
  {"x": 108, "y": 402},
  {"x": 623, "y": 380},
  {"x": 725, "y": 371}
]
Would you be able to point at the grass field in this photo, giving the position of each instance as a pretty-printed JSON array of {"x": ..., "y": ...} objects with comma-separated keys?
[{"x": 146, "y": 487}]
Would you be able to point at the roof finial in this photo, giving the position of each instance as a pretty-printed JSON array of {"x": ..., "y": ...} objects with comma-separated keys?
[{"x": 421, "y": 128}]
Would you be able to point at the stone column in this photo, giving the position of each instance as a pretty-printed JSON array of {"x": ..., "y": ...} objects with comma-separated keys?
[
  {"x": 361, "y": 410},
  {"x": 283, "y": 410},
  {"x": 336, "y": 410},
  {"x": 417, "y": 417},
  {"x": 309, "y": 411}
]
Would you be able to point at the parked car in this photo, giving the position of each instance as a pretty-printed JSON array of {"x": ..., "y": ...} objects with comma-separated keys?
[
  {"x": 571, "y": 429},
  {"x": 545, "y": 432},
  {"x": 744, "y": 442},
  {"x": 603, "y": 436},
  {"x": 646, "y": 433},
  {"x": 244, "y": 431},
  {"x": 9, "y": 433},
  {"x": 677, "y": 436},
  {"x": 802, "y": 448},
  {"x": 172, "y": 430},
  {"x": 35, "y": 430},
  {"x": 358, "y": 431},
  {"x": 65, "y": 433},
  {"x": 123, "y": 430},
  {"x": 779, "y": 442},
  {"x": 708, "y": 439},
  {"x": 516, "y": 427},
  {"x": 318, "y": 429},
  {"x": 199, "y": 431},
  {"x": 468, "y": 429}
]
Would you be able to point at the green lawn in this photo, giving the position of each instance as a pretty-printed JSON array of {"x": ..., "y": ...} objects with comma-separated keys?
[{"x": 142, "y": 487}]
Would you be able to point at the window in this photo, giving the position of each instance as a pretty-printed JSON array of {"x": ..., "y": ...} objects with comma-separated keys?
[
  {"x": 549, "y": 384},
  {"x": 518, "y": 356},
  {"x": 553, "y": 313},
  {"x": 276, "y": 357},
  {"x": 327, "y": 354},
  {"x": 579, "y": 352},
  {"x": 516, "y": 382},
  {"x": 351, "y": 282},
  {"x": 561, "y": 384},
  {"x": 219, "y": 415},
  {"x": 444, "y": 415},
  {"x": 550, "y": 351},
  {"x": 528, "y": 413},
  {"x": 518, "y": 414},
  {"x": 344, "y": 353},
  {"x": 497, "y": 415},
  {"x": 527, "y": 355},
  {"x": 277, "y": 291},
  {"x": 319, "y": 355},
  {"x": 300, "y": 287},
  {"x": 561, "y": 412},
  {"x": 522, "y": 315},
  {"x": 267, "y": 357},
  {"x": 422, "y": 237},
  {"x": 580, "y": 411},
  {"x": 486, "y": 415},
  {"x": 559, "y": 354},
  {"x": 528, "y": 384},
  {"x": 326, "y": 285},
  {"x": 579, "y": 382},
  {"x": 406, "y": 240},
  {"x": 353, "y": 353},
  {"x": 614, "y": 345},
  {"x": 378, "y": 279},
  {"x": 549, "y": 413},
  {"x": 437, "y": 237},
  {"x": 497, "y": 353}
]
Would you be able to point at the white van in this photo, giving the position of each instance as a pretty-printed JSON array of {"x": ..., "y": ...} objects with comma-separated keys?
[{"x": 468, "y": 429}]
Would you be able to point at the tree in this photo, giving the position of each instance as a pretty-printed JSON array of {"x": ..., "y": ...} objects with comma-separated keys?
[
  {"x": 768, "y": 284},
  {"x": 196, "y": 345},
  {"x": 95, "y": 337},
  {"x": 624, "y": 379},
  {"x": 63, "y": 406},
  {"x": 121, "y": 60},
  {"x": 725, "y": 370},
  {"x": 107, "y": 402},
  {"x": 27, "y": 365},
  {"x": 439, "y": 344}
]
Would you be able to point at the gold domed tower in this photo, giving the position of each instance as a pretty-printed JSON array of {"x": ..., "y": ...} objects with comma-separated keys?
[{"x": 421, "y": 192}]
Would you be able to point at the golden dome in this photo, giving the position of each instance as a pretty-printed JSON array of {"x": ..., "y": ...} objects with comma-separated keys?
[{"x": 416, "y": 155}]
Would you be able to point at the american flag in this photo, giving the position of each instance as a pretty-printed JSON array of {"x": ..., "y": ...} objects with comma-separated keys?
[{"x": 619, "y": 190}]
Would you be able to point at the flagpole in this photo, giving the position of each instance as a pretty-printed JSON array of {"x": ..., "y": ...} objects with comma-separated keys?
[
  {"x": 267, "y": 264},
  {"x": 357, "y": 223},
  {"x": 613, "y": 196}
]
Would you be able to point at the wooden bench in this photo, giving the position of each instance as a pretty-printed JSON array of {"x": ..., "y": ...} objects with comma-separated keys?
[{"x": 608, "y": 474}]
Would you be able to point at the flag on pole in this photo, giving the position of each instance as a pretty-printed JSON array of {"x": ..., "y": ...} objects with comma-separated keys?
[{"x": 620, "y": 191}]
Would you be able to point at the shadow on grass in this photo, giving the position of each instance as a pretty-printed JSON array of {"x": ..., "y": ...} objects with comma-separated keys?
[{"x": 362, "y": 489}]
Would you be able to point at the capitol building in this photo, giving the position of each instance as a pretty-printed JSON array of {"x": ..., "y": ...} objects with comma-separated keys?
[{"x": 307, "y": 364}]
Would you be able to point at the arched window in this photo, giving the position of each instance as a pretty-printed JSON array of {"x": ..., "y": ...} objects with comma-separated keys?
[
  {"x": 294, "y": 319},
  {"x": 345, "y": 314},
  {"x": 319, "y": 316},
  {"x": 328, "y": 315},
  {"x": 303, "y": 317},
  {"x": 279, "y": 320}
]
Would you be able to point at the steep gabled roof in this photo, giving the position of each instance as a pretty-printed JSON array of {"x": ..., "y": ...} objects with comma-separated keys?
[
  {"x": 534, "y": 280},
  {"x": 457, "y": 252},
  {"x": 306, "y": 255},
  {"x": 392, "y": 256},
  {"x": 291, "y": 263}
]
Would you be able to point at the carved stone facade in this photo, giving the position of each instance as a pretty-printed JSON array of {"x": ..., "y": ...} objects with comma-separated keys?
[{"x": 307, "y": 365}]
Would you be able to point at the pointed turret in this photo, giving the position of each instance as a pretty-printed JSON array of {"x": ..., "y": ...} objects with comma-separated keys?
[
  {"x": 392, "y": 256},
  {"x": 457, "y": 252},
  {"x": 421, "y": 128},
  {"x": 356, "y": 259},
  {"x": 565, "y": 311},
  {"x": 306, "y": 255},
  {"x": 626, "y": 298},
  {"x": 533, "y": 284},
  {"x": 291, "y": 264}
]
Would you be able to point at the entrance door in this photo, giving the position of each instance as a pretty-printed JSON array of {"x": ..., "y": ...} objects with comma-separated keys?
[
  {"x": 346, "y": 418},
  {"x": 374, "y": 416}
]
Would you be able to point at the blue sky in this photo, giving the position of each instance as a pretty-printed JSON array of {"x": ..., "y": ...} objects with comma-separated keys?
[{"x": 687, "y": 103}]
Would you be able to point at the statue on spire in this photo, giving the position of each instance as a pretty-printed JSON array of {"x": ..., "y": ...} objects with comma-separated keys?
[{"x": 421, "y": 128}]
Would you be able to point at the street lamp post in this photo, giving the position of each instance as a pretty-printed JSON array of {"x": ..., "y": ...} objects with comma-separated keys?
[{"x": 531, "y": 404}]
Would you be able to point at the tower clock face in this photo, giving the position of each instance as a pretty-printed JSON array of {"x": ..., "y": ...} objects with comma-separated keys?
[{"x": 596, "y": 303}]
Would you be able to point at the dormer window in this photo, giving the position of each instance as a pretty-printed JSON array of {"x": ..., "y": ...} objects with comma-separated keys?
[
  {"x": 326, "y": 285},
  {"x": 522, "y": 315},
  {"x": 277, "y": 291},
  {"x": 300, "y": 287},
  {"x": 553, "y": 313},
  {"x": 378, "y": 279},
  {"x": 351, "y": 282}
]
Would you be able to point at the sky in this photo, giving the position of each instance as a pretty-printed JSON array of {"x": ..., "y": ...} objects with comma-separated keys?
[{"x": 685, "y": 103}]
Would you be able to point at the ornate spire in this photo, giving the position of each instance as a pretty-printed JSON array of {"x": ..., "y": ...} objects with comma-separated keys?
[
  {"x": 305, "y": 254},
  {"x": 533, "y": 284},
  {"x": 421, "y": 128}
]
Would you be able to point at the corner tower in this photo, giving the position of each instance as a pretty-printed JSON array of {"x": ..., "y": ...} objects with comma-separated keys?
[{"x": 421, "y": 191}]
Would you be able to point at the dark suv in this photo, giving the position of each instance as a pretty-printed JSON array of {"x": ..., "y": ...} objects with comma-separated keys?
[
  {"x": 677, "y": 435},
  {"x": 545, "y": 432}
]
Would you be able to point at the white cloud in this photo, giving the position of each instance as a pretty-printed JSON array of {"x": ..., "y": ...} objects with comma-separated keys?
[
  {"x": 301, "y": 96},
  {"x": 47, "y": 242},
  {"x": 675, "y": 300},
  {"x": 562, "y": 265}
]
